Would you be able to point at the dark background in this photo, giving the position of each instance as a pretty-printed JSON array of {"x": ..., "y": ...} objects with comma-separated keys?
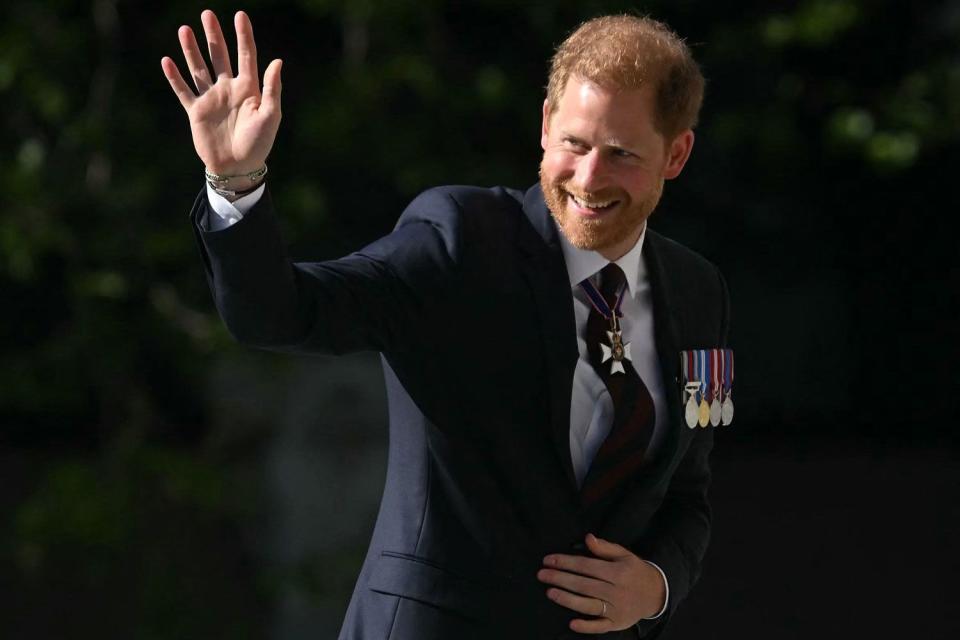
[{"x": 158, "y": 481}]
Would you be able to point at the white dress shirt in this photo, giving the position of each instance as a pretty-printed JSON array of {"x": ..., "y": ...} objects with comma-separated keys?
[{"x": 591, "y": 409}]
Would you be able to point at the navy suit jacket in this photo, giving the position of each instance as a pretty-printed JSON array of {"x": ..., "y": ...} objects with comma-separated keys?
[{"x": 469, "y": 303}]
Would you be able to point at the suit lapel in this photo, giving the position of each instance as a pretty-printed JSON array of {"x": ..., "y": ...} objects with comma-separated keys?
[
  {"x": 631, "y": 515},
  {"x": 546, "y": 273}
]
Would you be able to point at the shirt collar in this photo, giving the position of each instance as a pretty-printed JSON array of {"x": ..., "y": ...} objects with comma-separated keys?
[{"x": 583, "y": 263}]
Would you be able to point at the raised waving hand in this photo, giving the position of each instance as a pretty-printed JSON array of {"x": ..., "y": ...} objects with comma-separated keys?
[{"x": 233, "y": 123}]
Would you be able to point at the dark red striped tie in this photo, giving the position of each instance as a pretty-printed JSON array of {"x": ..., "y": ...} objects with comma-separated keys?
[{"x": 622, "y": 453}]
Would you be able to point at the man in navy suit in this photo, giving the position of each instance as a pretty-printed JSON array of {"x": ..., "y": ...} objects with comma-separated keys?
[{"x": 541, "y": 482}]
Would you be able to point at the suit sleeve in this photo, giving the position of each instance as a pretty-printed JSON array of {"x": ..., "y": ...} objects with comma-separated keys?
[
  {"x": 679, "y": 532},
  {"x": 368, "y": 300}
]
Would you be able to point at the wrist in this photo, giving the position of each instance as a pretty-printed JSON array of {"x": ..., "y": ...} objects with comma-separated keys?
[{"x": 236, "y": 186}]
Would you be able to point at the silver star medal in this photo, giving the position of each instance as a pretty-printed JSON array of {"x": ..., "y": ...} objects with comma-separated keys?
[{"x": 618, "y": 351}]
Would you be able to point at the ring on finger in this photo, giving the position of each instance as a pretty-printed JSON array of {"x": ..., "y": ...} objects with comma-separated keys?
[{"x": 603, "y": 609}]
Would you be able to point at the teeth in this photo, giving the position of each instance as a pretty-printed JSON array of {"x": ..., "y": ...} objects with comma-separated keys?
[{"x": 591, "y": 205}]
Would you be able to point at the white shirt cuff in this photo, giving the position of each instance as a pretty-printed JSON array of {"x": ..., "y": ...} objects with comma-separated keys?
[
  {"x": 229, "y": 213},
  {"x": 666, "y": 598}
]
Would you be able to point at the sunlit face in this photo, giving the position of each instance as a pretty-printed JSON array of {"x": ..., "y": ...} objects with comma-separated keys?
[{"x": 604, "y": 165}]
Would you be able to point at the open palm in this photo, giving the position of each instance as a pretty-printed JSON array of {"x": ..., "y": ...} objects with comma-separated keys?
[{"x": 232, "y": 122}]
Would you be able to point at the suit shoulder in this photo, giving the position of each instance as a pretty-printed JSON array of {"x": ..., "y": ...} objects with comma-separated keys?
[
  {"x": 466, "y": 216},
  {"x": 451, "y": 203},
  {"x": 674, "y": 253},
  {"x": 470, "y": 197},
  {"x": 704, "y": 309}
]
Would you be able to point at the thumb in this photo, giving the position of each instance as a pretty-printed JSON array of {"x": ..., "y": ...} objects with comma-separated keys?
[
  {"x": 271, "y": 85},
  {"x": 606, "y": 549}
]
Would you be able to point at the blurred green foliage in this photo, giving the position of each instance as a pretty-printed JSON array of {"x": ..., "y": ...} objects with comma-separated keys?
[{"x": 819, "y": 115}]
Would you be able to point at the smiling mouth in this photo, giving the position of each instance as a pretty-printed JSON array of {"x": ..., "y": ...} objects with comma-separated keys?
[{"x": 592, "y": 207}]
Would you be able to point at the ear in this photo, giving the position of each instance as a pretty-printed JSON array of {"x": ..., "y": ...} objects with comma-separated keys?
[
  {"x": 545, "y": 127},
  {"x": 678, "y": 152}
]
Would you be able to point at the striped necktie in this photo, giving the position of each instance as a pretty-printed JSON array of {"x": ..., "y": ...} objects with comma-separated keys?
[{"x": 622, "y": 453}]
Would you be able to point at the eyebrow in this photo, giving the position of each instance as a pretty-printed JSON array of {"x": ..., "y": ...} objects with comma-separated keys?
[
  {"x": 609, "y": 142},
  {"x": 614, "y": 142}
]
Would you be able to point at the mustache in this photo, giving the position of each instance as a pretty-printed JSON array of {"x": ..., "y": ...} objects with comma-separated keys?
[
  {"x": 562, "y": 187},
  {"x": 592, "y": 196}
]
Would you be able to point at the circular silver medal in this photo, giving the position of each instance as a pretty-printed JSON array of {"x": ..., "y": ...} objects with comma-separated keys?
[
  {"x": 715, "y": 412},
  {"x": 692, "y": 411},
  {"x": 726, "y": 412}
]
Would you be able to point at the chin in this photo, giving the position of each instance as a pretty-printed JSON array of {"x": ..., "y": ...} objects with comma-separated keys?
[
  {"x": 583, "y": 234},
  {"x": 607, "y": 230}
]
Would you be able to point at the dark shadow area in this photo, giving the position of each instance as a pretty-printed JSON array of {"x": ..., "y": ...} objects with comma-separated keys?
[{"x": 829, "y": 538}]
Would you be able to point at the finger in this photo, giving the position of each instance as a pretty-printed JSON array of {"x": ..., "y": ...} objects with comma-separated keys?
[
  {"x": 577, "y": 584},
  {"x": 580, "y": 604},
  {"x": 606, "y": 549},
  {"x": 195, "y": 62},
  {"x": 177, "y": 83},
  {"x": 246, "y": 47},
  {"x": 593, "y": 567},
  {"x": 217, "y": 45},
  {"x": 271, "y": 86},
  {"x": 600, "y": 625}
]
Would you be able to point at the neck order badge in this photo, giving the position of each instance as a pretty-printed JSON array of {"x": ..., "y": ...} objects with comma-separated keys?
[
  {"x": 618, "y": 350},
  {"x": 708, "y": 386}
]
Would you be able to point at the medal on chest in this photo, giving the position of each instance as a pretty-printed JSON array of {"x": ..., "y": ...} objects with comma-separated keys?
[
  {"x": 703, "y": 409},
  {"x": 618, "y": 351},
  {"x": 726, "y": 409},
  {"x": 697, "y": 385},
  {"x": 707, "y": 386},
  {"x": 690, "y": 411},
  {"x": 716, "y": 385}
]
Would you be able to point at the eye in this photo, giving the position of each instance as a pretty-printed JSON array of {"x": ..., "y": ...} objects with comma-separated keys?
[
  {"x": 573, "y": 142},
  {"x": 622, "y": 153}
]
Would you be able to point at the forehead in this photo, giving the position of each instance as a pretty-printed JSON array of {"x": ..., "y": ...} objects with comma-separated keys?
[{"x": 594, "y": 110}]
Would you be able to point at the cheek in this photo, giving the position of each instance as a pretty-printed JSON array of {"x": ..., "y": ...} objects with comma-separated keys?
[
  {"x": 636, "y": 186},
  {"x": 558, "y": 166}
]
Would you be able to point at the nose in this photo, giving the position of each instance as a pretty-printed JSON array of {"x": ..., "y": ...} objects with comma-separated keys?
[{"x": 591, "y": 173}]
